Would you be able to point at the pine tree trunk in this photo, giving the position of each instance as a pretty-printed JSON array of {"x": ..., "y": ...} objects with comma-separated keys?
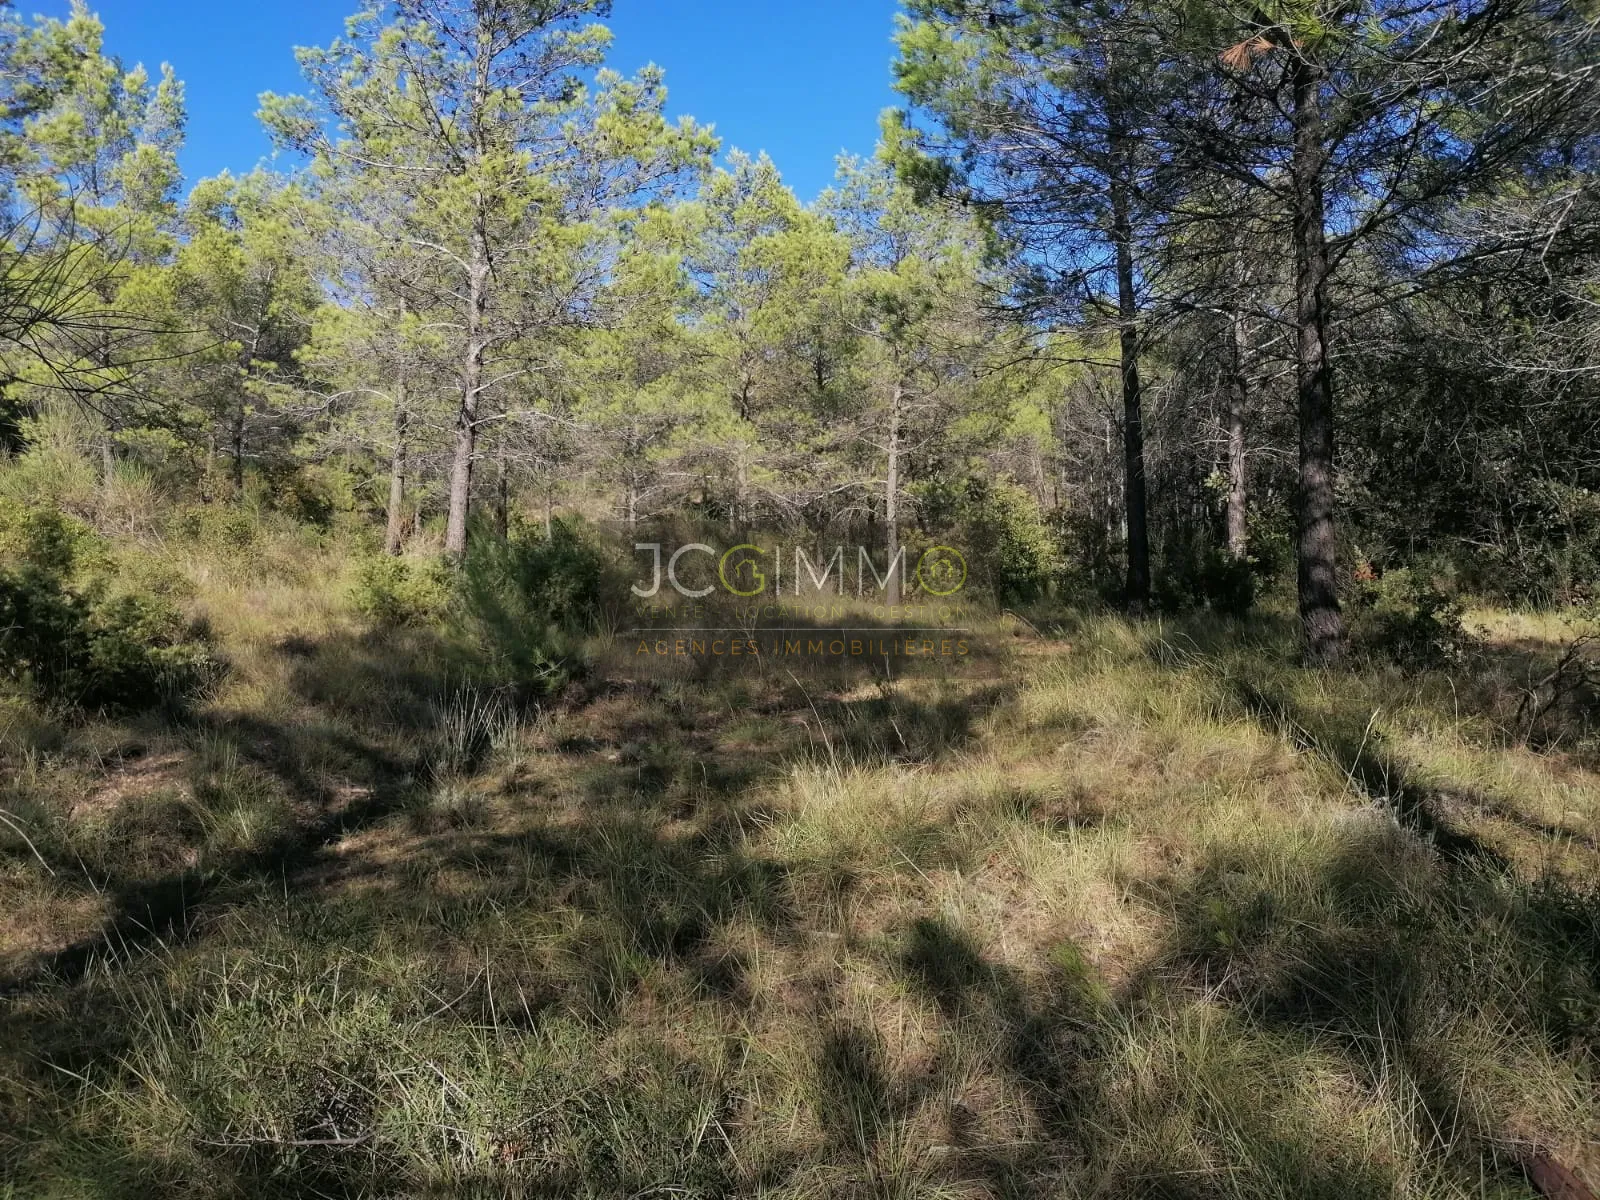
[
  {"x": 475, "y": 118},
  {"x": 108, "y": 444},
  {"x": 455, "y": 538},
  {"x": 1135, "y": 499},
  {"x": 1238, "y": 465},
  {"x": 502, "y": 500},
  {"x": 891, "y": 505},
  {"x": 394, "y": 539},
  {"x": 1321, "y": 623},
  {"x": 237, "y": 440}
]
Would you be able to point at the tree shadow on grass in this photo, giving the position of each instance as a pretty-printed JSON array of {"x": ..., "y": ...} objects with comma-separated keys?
[
  {"x": 612, "y": 893},
  {"x": 145, "y": 911},
  {"x": 1065, "y": 1041},
  {"x": 1377, "y": 953},
  {"x": 1360, "y": 752}
]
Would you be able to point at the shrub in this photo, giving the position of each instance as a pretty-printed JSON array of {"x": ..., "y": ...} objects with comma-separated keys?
[
  {"x": 70, "y": 636},
  {"x": 1090, "y": 559},
  {"x": 1410, "y": 619},
  {"x": 223, "y": 527},
  {"x": 526, "y": 600},
  {"x": 396, "y": 592},
  {"x": 997, "y": 526},
  {"x": 556, "y": 581},
  {"x": 1193, "y": 575},
  {"x": 55, "y": 469}
]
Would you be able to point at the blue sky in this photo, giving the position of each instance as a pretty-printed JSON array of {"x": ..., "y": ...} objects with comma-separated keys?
[{"x": 801, "y": 81}]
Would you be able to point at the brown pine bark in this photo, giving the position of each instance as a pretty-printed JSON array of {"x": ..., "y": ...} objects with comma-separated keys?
[
  {"x": 394, "y": 538},
  {"x": 1322, "y": 624},
  {"x": 478, "y": 267},
  {"x": 1238, "y": 462},
  {"x": 891, "y": 506},
  {"x": 455, "y": 538},
  {"x": 1135, "y": 499}
]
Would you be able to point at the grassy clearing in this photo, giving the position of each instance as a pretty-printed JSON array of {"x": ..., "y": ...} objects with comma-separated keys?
[{"x": 1114, "y": 910}]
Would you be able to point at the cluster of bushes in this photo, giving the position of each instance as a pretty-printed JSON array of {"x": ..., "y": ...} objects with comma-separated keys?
[
  {"x": 997, "y": 526},
  {"x": 77, "y": 632},
  {"x": 1192, "y": 573},
  {"x": 1409, "y": 617},
  {"x": 523, "y": 603}
]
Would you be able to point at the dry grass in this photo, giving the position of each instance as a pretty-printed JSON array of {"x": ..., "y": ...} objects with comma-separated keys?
[{"x": 1131, "y": 910}]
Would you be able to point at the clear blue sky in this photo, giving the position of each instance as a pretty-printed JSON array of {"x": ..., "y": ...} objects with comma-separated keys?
[{"x": 803, "y": 81}]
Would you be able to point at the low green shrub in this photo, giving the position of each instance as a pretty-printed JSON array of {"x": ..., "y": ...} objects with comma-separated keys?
[
  {"x": 527, "y": 600},
  {"x": 73, "y": 633},
  {"x": 225, "y": 527},
  {"x": 1410, "y": 619},
  {"x": 998, "y": 528},
  {"x": 398, "y": 592},
  {"x": 1090, "y": 559},
  {"x": 1193, "y": 575}
]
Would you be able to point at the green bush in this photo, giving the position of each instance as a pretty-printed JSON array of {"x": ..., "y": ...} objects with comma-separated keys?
[
  {"x": 556, "y": 581},
  {"x": 1090, "y": 560},
  {"x": 396, "y": 592},
  {"x": 1193, "y": 574},
  {"x": 997, "y": 526},
  {"x": 528, "y": 599},
  {"x": 1411, "y": 619},
  {"x": 69, "y": 635}
]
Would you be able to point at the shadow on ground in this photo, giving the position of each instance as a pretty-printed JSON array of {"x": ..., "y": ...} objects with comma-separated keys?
[{"x": 584, "y": 928}]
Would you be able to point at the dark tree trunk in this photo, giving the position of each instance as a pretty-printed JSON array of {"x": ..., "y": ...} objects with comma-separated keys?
[
  {"x": 891, "y": 498},
  {"x": 1135, "y": 500},
  {"x": 1121, "y": 149},
  {"x": 502, "y": 501},
  {"x": 395, "y": 536},
  {"x": 394, "y": 539},
  {"x": 478, "y": 271},
  {"x": 1238, "y": 464},
  {"x": 1321, "y": 622},
  {"x": 237, "y": 440}
]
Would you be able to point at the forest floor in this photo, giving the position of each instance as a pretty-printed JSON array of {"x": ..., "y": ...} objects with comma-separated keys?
[{"x": 1101, "y": 909}]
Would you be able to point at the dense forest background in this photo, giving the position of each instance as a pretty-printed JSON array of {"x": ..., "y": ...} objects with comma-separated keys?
[{"x": 1153, "y": 305}]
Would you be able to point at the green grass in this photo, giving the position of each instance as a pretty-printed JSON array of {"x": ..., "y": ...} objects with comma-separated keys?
[{"x": 1128, "y": 910}]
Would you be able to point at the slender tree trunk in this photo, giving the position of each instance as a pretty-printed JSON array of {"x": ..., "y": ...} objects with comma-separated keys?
[
  {"x": 394, "y": 539},
  {"x": 891, "y": 500},
  {"x": 213, "y": 468},
  {"x": 108, "y": 444},
  {"x": 237, "y": 439},
  {"x": 1238, "y": 466},
  {"x": 1321, "y": 623},
  {"x": 395, "y": 536},
  {"x": 740, "y": 483},
  {"x": 1135, "y": 500},
  {"x": 1114, "y": 528},
  {"x": 455, "y": 538},
  {"x": 502, "y": 500}
]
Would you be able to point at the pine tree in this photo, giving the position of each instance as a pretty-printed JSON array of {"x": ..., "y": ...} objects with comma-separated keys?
[{"x": 478, "y": 113}]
